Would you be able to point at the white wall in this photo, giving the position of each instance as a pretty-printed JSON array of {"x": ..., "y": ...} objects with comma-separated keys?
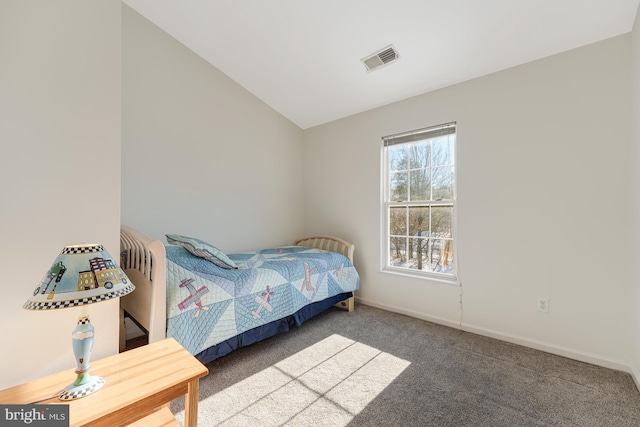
[
  {"x": 60, "y": 145},
  {"x": 201, "y": 155},
  {"x": 636, "y": 191},
  {"x": 544, "y": 179}
]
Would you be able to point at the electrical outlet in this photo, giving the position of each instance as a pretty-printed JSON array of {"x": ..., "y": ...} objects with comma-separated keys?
[{"x": 543, "y": 304}]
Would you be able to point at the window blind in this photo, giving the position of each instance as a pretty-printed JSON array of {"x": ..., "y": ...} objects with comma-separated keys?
[{"x": 420, "y": 134}]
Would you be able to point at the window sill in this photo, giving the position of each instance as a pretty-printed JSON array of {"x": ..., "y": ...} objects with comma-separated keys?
[{"x": 447, "y": 280}]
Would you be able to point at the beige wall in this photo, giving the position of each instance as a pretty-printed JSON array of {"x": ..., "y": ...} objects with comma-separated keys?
[
  {"x": 635, "y": 121},
  {"x": 540, "y": 146},
  {"x": 201, "y": 155},
  {"x": 60, "y": 144}
]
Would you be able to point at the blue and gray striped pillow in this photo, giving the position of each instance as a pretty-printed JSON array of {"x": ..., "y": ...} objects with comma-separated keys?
[{"x": 202, "y": 249}]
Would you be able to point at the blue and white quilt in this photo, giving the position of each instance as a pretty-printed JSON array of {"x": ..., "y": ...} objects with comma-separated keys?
[{"x": 207, "y": 304}]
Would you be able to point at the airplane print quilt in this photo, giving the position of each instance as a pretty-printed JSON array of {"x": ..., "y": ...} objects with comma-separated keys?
[{"x": 207, "y": 304}]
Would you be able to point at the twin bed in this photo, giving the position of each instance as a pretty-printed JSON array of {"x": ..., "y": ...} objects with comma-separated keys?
[{"x": 213, "y": 303}]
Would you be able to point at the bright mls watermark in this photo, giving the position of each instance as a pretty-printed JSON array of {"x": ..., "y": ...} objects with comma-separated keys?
[{"x": 34, "y": 415}]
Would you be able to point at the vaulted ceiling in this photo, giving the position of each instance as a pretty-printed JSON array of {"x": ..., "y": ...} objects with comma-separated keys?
[{"x": 303, "y": 57}]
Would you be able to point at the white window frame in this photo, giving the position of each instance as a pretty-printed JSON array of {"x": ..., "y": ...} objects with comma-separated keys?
[{"x": 417, "y": 135}]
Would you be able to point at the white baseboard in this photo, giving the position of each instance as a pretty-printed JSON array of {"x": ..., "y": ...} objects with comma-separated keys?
[
  {"x": 636, "y": 377},
  {"x": 394, "y": 309},
  {"x": 582, "y": 356},
  {"x": 586, "y": 357}
]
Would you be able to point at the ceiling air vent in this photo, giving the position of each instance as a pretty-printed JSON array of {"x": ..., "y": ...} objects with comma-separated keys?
[{"x": 384, "y": 56}]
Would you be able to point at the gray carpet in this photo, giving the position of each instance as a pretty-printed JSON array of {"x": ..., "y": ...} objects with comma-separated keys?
[{"x": 376, "y": 368}]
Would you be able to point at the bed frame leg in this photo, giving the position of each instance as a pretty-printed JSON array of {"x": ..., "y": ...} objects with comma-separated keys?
[
  {"x": 123, "y": 339},
  {"x": 348, "y": 304}
]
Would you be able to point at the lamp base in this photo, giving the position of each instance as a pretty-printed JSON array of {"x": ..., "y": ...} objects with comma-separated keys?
[
  {"x": 85, "y": 383},
  {"x": 72, "y": 391}
]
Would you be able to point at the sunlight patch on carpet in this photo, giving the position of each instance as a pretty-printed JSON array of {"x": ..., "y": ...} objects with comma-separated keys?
[{"x": 328, "y": 383}]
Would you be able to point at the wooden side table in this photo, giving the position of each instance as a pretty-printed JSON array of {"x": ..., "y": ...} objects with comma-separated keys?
[{"x": 139, "y": 384}]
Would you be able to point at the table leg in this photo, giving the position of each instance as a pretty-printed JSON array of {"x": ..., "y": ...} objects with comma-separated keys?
[{"x": 191, "y": 404}]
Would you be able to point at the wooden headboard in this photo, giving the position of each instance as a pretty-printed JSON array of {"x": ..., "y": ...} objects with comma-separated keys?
[
  {"x": 328, "y": 243},
  {"x": 144, "y": 260}
]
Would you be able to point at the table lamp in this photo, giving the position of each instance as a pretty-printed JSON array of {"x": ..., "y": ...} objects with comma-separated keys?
[{"x": 81, "y": 275}]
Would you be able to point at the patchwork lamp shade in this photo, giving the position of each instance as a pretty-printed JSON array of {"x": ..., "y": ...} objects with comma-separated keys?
[{"x": 80, "y": 275}]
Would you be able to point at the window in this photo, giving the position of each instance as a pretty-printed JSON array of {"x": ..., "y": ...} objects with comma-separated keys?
[{"x": 419, "y": 201}]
